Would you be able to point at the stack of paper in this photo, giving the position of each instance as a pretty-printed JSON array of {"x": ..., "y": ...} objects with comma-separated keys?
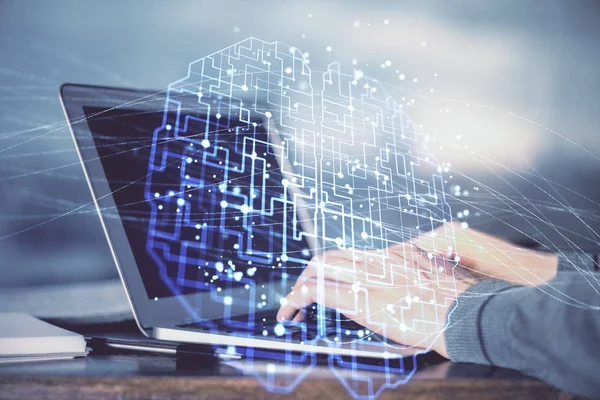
[{"x": 26, "y": 338}]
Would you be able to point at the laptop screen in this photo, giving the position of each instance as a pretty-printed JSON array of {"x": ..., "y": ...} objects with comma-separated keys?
[{"x": 205, "y": 206}]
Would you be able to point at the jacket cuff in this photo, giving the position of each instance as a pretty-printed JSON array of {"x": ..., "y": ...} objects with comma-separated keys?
[
  {"x": 569, "y": 261},
  {"x": 475, "y": 336}
]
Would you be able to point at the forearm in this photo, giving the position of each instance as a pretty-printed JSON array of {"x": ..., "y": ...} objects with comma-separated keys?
[{"x": 551, "y": 331}]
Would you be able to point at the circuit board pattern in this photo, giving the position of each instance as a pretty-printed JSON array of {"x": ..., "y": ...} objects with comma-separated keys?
[
  {"x": 374, "y": 165},
  {"x": 355, "y": 158}
]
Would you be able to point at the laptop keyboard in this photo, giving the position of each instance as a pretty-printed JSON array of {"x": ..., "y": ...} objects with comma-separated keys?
[{"x": 266, "y": 325}]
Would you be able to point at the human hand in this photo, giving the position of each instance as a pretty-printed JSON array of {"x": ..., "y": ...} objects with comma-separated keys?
[
  {"x": 400, "y": 292},
  {"x": 487, "y": 257}
]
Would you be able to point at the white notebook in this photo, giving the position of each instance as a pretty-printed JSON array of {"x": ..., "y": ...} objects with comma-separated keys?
[{"x": 26, "y": 338}]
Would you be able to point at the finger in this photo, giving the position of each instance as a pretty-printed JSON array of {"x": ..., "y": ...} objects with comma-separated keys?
[
  {"x": 299, "y": 297},
  {"x": 440, "y": 240},
  {"x": 415, "y": 259},
  {"x": 335, "y": 295},
  {"x": 334, "y": 265},
  {"x": 299, "y": 316}
]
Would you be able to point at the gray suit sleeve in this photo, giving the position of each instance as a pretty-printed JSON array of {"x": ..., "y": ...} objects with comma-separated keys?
[
  {"x": 583, "y": 262},
  {"x": 551, "y": 332}
]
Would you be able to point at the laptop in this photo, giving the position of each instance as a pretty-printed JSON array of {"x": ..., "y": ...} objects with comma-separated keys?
[{"x": 208, "y": 228}]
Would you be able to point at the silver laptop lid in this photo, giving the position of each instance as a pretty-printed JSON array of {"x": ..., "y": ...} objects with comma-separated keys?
[{"x": 204, "y": 216}]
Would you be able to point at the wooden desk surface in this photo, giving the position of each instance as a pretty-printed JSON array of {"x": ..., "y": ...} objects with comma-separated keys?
[{"x": 141, "y": 376}]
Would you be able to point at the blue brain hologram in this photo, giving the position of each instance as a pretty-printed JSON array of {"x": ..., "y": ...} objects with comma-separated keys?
[{"x": 261, "y": 164}]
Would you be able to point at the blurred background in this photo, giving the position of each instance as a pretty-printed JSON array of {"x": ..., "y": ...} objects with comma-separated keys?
[{"x": 507, "y": 89}]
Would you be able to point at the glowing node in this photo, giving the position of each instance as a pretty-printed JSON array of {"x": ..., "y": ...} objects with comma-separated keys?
[{"x": 279, "y": 330}]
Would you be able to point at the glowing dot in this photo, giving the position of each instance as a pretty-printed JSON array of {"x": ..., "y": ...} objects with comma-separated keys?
[
  {"x": 283, "y": 301},
  {"x": 156, "y": 299},
  {"x": 464, "y": 225},
  {"x": 168, "y": 127},
  {"x": 360, "y": 333},
  {"x": 171, "y": 193},
  {"x": 244, "y": 88},
  {"x": 180, "y": 202},
  {"x": 408, "y": 197},
  {"x": 284, "y": 257},
  {"x": 160, "y": 207},
  {"x": 156, "y": 194},
  {"x": 238, "y": 275},
  {"x": 244, "y": 209},
  {"x": 227, "y": 300},
  {"x": 219, "y": 266},
  {"x": 328, "y": 48},
  {"x": 340, "y": 175},
  {"x": 408, "y": 299},
  {"x": 402, "y": 77},
  {"x": 403, "y": 327},
  {"x": 304, "y": 289},
  {"x": 388, "y": 63},
  {"x": 364, "y": 235},
  {"x": 268, "y": 114},
  {"x": 265, "y": 333},
  {"x": 224, "y": 204},
  {"x": 279, "y": 330},
  {"x": 339, "y": 241},
  {"x": 205, "y": 143}
]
